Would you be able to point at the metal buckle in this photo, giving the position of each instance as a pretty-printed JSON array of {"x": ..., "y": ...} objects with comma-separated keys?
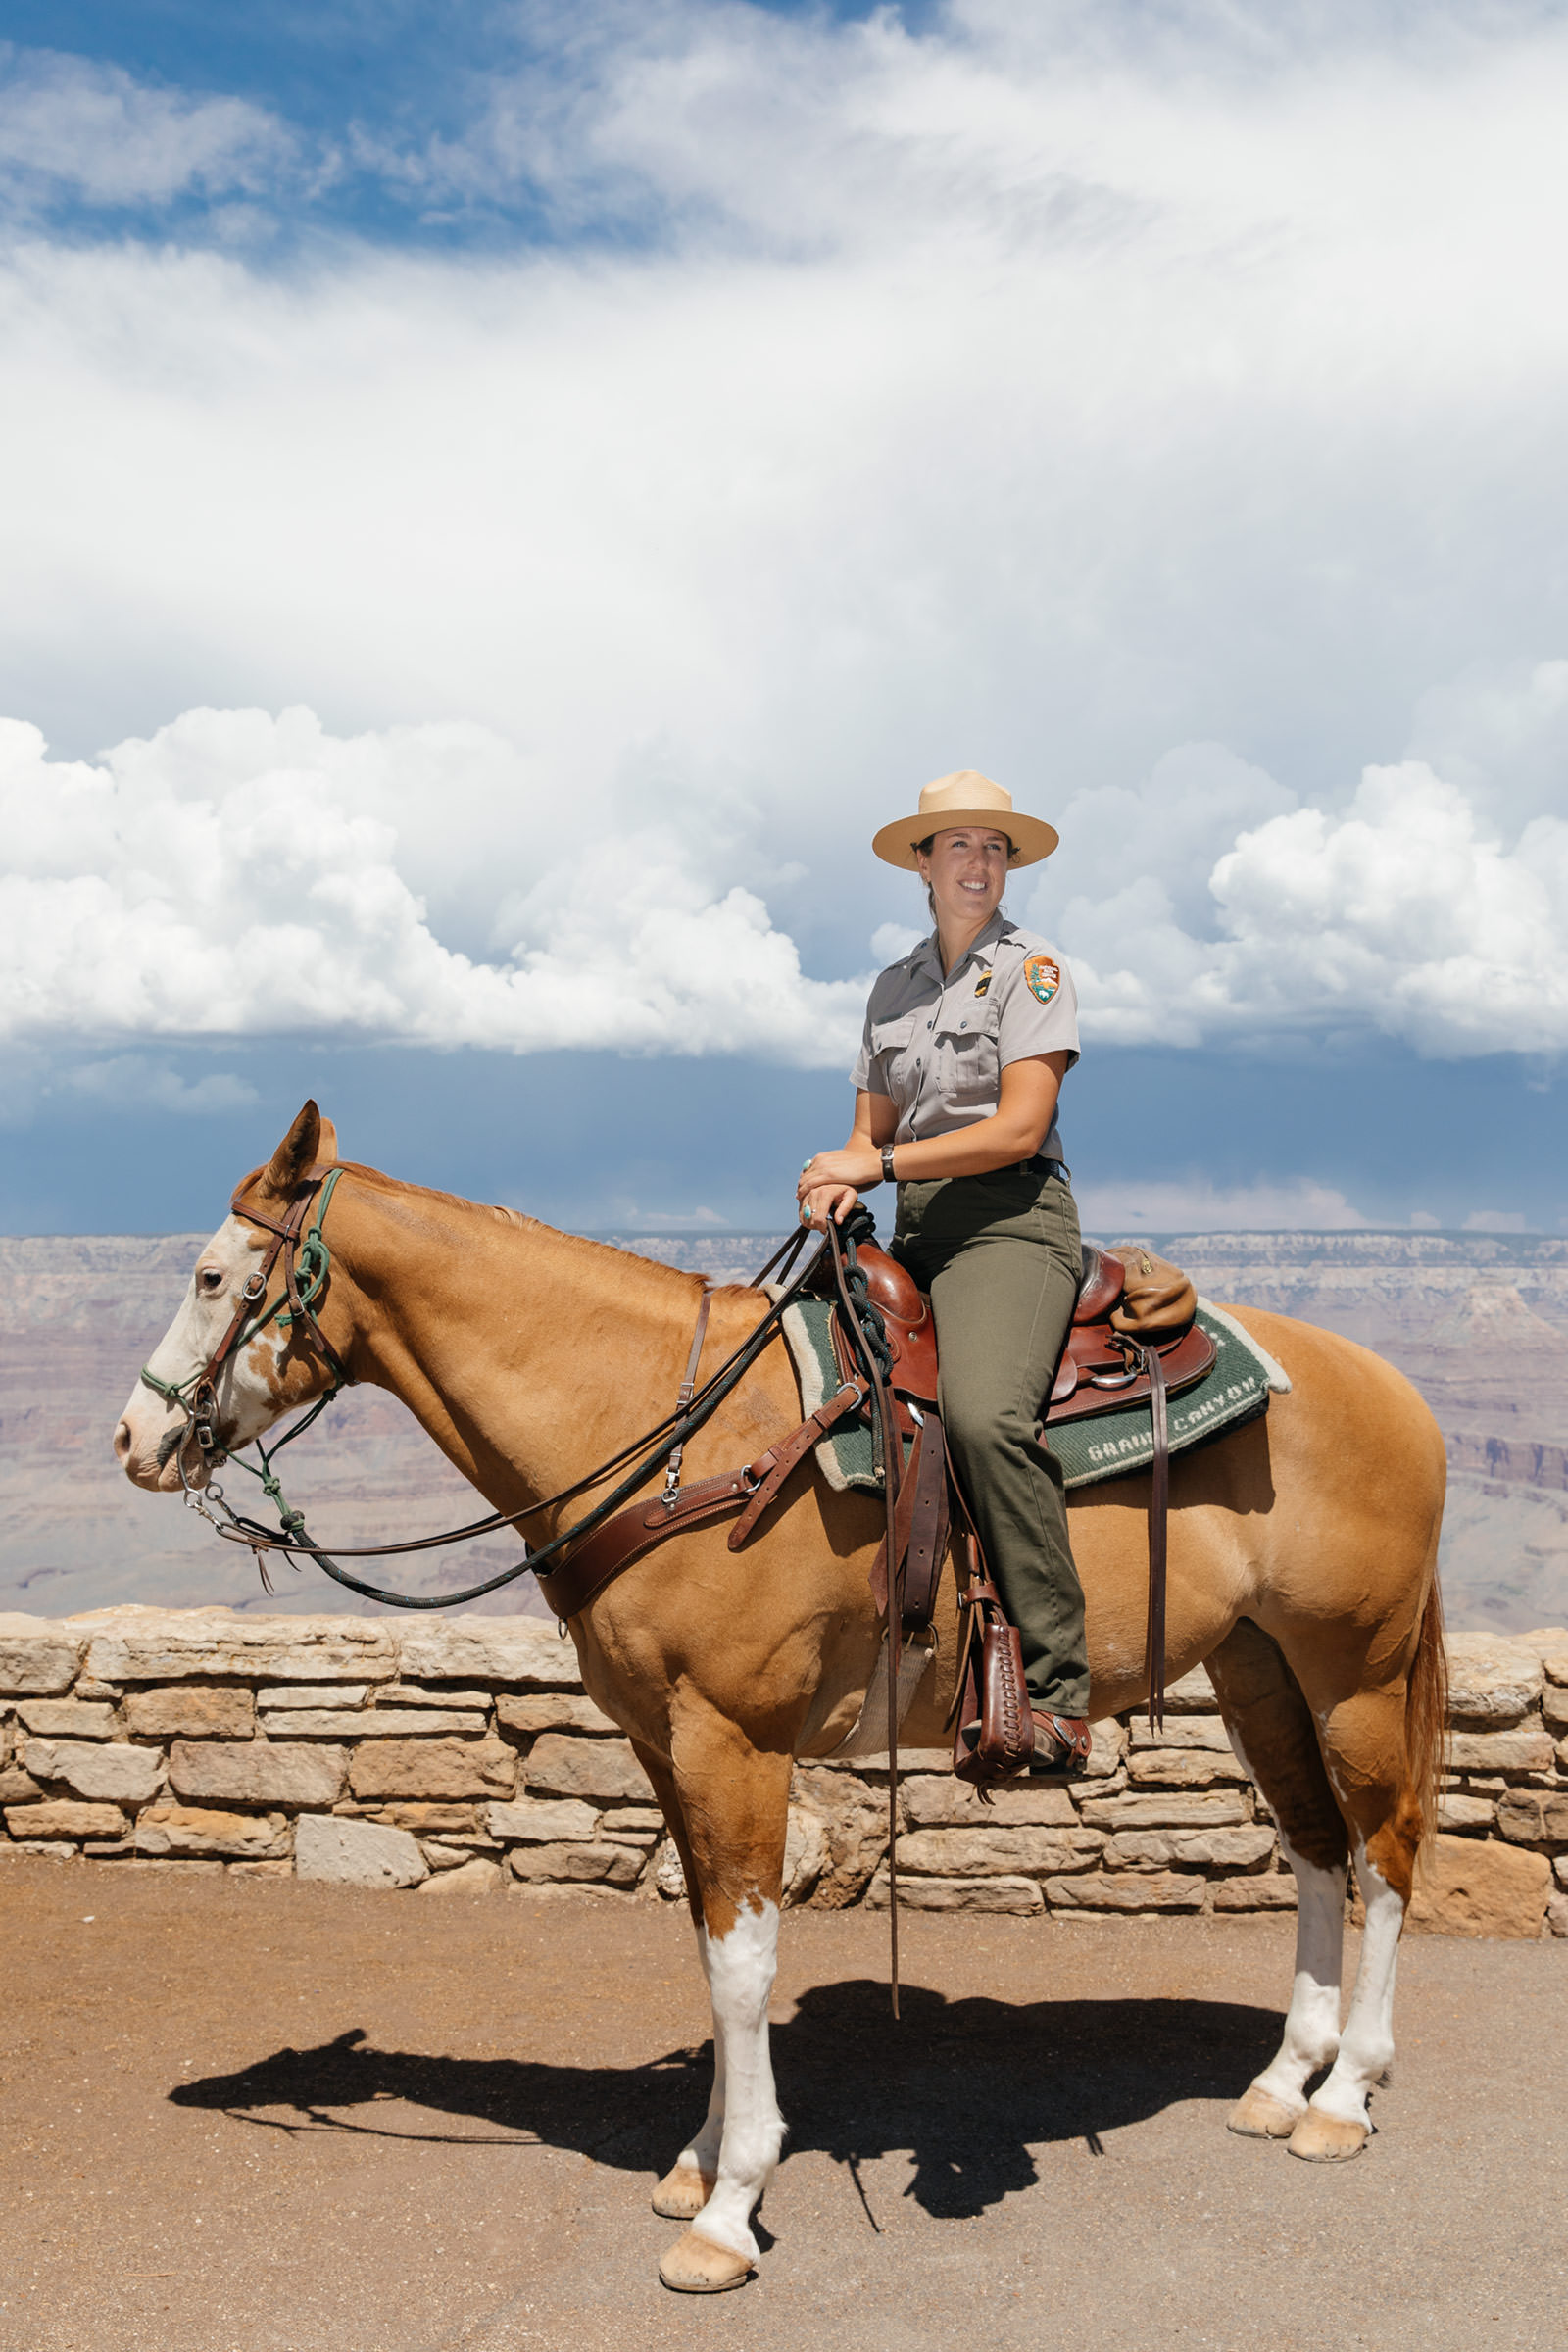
[{"x": 254, "y": 1289}]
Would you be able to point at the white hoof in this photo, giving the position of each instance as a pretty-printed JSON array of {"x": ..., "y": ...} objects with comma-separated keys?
[
  {"x": 683, "y": 2192},
  {"x": 1325, "y": 2139},
  {"x": 695, "y": 2266},
  {"x": 1259, "y": 2115}
]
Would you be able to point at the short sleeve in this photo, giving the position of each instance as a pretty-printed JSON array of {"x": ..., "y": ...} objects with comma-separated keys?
[
  {"x": 860, "y": 1075},
  {"x": 881, "y": 1035},
  {"x": 1039, "y": 1010}
]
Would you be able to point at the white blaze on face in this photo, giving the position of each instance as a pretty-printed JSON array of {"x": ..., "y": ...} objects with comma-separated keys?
[{"x": 249, "y": 1399}]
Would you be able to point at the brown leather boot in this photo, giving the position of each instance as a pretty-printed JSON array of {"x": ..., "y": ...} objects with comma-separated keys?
[{"x": 1062, "y": 1748}]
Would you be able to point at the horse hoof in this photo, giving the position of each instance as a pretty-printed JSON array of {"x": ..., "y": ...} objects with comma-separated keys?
[
  {"x": 1324, "y": 2140},
  {"x": 1259, "y": 2115},
  {"x": 695, "y": 2266},
  {"x": 683, "y": 2192}
]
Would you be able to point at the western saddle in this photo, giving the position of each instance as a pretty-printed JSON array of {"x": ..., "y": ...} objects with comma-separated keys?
[{"x": 1133, "y": 1341}]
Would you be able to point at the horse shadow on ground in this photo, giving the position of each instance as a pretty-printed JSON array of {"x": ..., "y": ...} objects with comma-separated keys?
[{"x": 969, "y": 2086}]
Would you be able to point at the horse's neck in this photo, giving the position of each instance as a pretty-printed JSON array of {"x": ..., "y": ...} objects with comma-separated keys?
[{"x": 529, "y": 1355}]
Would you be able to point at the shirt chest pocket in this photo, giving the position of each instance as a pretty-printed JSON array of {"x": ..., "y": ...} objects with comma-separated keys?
[
  {"x": 893, "y": 1059},
  {"x": 969, "y": 1061},
  {"x": 891, "y": 1038}
]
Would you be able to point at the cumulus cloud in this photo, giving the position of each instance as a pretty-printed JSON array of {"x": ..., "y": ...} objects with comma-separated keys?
[
  {"x": 238, "y": 875},
  {"x": 1150, "y": 406},
  {"x": 135, "y": 1082},
  {"x": 205, "y": 884},
  {"x": 1196, "y": 1206},
  {"x": 1401, "y": 916},
  {"x": 1030, "y": 395},
  {"x": 1496, "y": 1220},
  {"x": 69, "y": 126}
]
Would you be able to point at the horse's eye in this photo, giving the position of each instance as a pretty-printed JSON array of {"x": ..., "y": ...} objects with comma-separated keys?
[{"x": 210, "y": 1278}]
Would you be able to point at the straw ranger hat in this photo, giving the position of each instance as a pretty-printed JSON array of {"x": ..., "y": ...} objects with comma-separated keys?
[{"x": 965, "y": 798}]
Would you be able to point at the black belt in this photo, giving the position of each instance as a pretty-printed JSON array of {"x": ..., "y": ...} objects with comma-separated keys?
[{"x": 1038, "y": 1165}]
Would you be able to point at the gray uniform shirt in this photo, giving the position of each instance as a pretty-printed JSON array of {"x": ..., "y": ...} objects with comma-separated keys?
[{"x": 938, "y": 1047}]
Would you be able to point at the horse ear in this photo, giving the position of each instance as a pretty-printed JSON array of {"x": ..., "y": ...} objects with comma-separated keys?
[{"x": 298, "y": 1151}]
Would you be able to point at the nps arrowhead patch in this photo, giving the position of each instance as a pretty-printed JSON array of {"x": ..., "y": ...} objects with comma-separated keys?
[{"x": 1044, "y": 976}]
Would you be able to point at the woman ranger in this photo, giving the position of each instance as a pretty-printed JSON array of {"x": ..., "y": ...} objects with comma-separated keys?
[{"x": 967, "y": 1040}]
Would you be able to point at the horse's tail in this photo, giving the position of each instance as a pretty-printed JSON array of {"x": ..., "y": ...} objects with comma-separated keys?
[{"x": 1426, "y": 1711}]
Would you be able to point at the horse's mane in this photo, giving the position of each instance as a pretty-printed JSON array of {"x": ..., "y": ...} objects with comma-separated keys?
[{"x": 579, "y": 1243}]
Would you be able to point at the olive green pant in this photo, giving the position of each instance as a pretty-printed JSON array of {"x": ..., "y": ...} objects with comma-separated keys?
[{"x": 1001, "y": 1259}]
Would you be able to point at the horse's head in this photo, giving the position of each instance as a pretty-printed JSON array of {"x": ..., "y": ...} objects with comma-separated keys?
[{"x": 270, "y": 1370}]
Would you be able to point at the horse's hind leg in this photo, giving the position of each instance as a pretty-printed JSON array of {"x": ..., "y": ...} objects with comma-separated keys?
[
  {"x": 1272, "y": 1731},
  {"x": 733, "y": 1805},
  {"x": 1364, "y": 1741}
]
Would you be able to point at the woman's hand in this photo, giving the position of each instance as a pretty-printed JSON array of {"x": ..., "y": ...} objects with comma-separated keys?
[
  {"x": 826, "y": 1200},
  {"x": 856, "y": 1167}
]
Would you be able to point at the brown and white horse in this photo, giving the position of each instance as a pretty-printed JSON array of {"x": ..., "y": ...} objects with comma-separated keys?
[{"x": 1302, "y": 1552}]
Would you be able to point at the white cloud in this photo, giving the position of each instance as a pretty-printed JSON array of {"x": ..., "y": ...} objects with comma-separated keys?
[
  {"x": 237, "y": 875},
  {"x": 134, "y": 1082},
  {"x": 1031, "y": 396},
  {"x": 68, "y": 124},
  {"x": 1400, "y": 917},
  {"x": 1151, "y": 407},
  {"x": 209, "y": 883},
  {"x": 1500, "y": 731},
  {"x": 890, "y": 940},
  {"x": 1196, "y": 1206}
]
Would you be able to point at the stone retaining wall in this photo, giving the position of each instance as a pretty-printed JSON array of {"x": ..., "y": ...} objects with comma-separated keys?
[{"x": 463, "y": 1756}]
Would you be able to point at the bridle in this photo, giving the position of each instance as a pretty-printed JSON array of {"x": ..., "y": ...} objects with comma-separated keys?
[
  {"x": 307, "y": 1263},
  {"x": 307, "y": 1267}
]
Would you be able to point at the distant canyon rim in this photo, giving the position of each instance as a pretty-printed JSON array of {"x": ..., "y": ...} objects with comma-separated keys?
[{"x": 1478, "y": 1321}]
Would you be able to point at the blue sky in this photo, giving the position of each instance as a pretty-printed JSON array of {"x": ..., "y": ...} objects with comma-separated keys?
[{"x": 501, "y": 502}]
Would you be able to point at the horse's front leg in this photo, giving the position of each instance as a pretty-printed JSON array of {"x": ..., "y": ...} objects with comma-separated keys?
[
  {"x": 733, "y": 1802},
  {"x": 691, "y": 2179}
]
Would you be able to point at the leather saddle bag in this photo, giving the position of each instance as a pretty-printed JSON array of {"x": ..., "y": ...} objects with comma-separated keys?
[
  {"x": 1157, "y": 1300},
  {"x": 1129, "y": 1302}
]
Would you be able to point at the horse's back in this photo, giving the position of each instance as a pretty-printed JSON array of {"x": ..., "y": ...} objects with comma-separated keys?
[
  {"x": 1351, "y": 1400},
  {"x": 1324, "y": 1509}
]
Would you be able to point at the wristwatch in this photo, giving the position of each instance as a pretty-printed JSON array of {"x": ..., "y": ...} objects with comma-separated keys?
[{"x": 888, "y": 1176}]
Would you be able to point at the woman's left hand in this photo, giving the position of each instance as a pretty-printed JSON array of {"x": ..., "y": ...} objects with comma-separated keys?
[
  {"x": 833, "y": 1200},
  {"x": 851, "y": 1166}
]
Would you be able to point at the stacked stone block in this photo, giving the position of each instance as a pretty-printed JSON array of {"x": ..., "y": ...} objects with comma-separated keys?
[
  {"x": 1162, "y": 1822},
  {"x": 465, "y": 1756},
  {"x": 448, "y": 1756}
]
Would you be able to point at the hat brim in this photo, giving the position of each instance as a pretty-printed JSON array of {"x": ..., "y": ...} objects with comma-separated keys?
[{"x": 1031, "y": 837}]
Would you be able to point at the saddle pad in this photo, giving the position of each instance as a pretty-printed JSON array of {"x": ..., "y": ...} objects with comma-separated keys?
[
  {"x": 846, "y": 1456},
  {"x": 1100, "y": 1445},
  {"x": 1237, "y": 1389}
]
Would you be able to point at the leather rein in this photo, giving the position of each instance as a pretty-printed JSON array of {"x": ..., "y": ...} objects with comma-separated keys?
[{"x": 306, "y": 1265}]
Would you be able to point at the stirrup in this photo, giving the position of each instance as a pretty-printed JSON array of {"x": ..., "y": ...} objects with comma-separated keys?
[{"x": 1062, "y": 1748}]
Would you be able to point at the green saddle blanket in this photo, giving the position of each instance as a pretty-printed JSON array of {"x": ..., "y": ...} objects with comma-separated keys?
[{"x": 1100, "y": 1445}]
